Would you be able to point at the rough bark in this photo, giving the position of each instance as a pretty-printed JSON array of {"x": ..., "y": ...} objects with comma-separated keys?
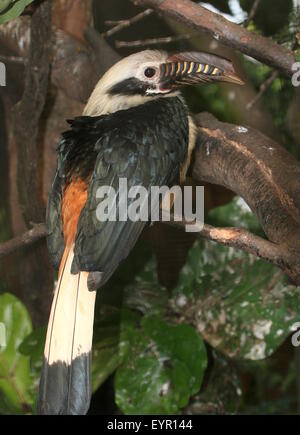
[{"x": 258, "y": 169}]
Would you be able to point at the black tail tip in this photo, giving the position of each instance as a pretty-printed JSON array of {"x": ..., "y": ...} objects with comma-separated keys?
[{"x": 65, "y": 389}]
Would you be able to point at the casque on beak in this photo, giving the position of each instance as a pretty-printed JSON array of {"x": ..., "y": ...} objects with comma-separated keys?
[{"x": 196, "y": 67}]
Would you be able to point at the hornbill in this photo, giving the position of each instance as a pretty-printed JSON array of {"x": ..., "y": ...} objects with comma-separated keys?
[{"x": 135, "y": 125}]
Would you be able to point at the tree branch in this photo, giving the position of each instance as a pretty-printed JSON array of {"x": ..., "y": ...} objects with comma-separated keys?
[
  {"x": 28, "y": 112},
  {"x": 151, "y": 41},
  {"x": 256, "y": 168},
  {"x": 236, "y": 238},
  {"x": 126, "y": 23},
  {"x": 199, "y": 18},
  {"x": 37, "y": 233},
  {"x": 252, "y": 13},
  {"x": 13, "y": 59},
  {"x": 239, "y": 238},
  {"x": 262, "y": 89}
]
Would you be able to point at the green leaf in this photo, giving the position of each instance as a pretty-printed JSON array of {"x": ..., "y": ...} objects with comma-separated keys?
[
  {"x": 222, "y": 391},
  {"x": 298, "y": 55},
  {"x": 145, "y": 294},
  {"x": 33, "y": 346},
  {"x": 238, "y": 303},
  {"x": 4, "y": 4},
  {"x": 270, "y": 17},
  {"x": 11, "y": 9},
  {"x": 15, "y": 375},
  {"x": 159, "y": 373}
]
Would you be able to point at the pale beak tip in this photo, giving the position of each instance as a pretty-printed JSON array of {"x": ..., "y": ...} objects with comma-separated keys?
[{"x": 235, "y": 79}]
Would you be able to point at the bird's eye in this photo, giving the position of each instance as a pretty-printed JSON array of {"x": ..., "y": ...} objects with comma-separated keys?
[{"x": 150, "y": 72}]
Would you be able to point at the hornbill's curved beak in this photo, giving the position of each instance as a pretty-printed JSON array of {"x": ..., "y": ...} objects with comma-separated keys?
[{"x": 196, "y": 67}]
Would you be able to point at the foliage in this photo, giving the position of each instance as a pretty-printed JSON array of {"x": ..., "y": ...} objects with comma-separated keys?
[
  {"x": 223, "y": 393},
  {"x": 11, "y": 9},
  {"x": 273, "y": 376},
  {"x": 246, "y": 314},
  {"x": 156, "y": 373},
  {"x": 159, "y": 372},
  {"x": 16, "y": 381},
  {"x": 270, "y": 23},
  {"x": 239, "y": 305}
]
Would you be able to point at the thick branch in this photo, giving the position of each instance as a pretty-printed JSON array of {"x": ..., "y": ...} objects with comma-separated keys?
[
  {"x": 258, "y": 169},
  {"x": 231, "y": 34}
]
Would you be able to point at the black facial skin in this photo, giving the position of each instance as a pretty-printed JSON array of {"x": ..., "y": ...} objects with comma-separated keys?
[{"x": 131, "y": 86}]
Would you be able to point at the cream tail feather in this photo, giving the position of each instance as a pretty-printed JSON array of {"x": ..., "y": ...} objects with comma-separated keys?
[{"x": 65, "y": 381}]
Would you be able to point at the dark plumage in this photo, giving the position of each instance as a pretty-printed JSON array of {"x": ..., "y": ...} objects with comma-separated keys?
[
  {"x": 143, "y": 136},
  {"x": 145, "y": 144},
  {"x": 131, "y": 86}
]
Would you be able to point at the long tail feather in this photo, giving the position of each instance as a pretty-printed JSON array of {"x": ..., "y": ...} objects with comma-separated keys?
[{"x": 65, "y": 380}]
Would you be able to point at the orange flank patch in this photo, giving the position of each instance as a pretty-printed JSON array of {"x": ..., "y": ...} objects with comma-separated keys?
[{"x": 74, "y": 199}]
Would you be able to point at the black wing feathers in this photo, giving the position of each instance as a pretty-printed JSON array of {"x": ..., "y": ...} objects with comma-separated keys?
[
  {"x": 55, "y": 238},
  {"x": 145, "y": 145}
]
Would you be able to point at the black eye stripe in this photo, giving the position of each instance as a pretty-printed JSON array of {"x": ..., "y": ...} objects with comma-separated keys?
[{"x": 131, "y": 86}]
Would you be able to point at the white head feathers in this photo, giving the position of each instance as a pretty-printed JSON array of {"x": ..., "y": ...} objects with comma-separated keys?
[{"x": 102, "y": 102}]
